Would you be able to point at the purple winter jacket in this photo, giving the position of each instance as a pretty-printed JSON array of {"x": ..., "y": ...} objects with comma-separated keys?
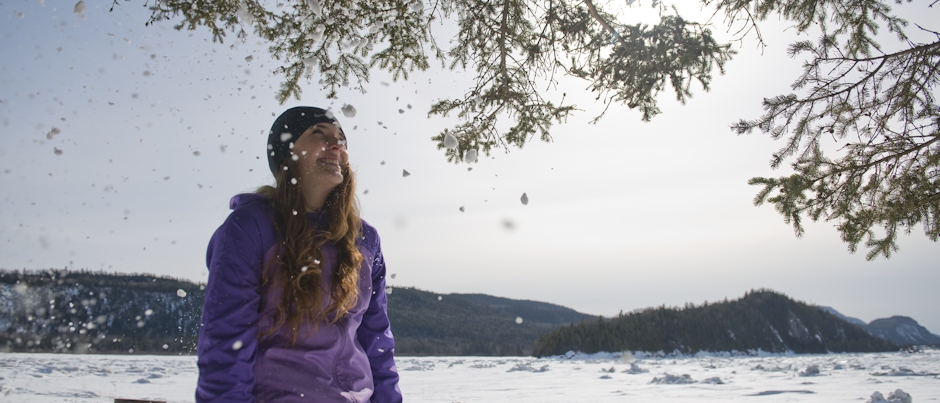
[{"x": 349, "y": 361}]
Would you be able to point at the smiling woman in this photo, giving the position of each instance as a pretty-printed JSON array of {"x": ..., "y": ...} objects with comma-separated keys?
[{"x": 295, "y": 302}]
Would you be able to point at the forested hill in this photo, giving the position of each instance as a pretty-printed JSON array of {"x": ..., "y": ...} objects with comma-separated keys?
[
  {"x": 67, "y": 311},
  {"x": 761, "y": 320},
  {"x": 426, "y": 323},
  {"x": 85, "y": 312}
]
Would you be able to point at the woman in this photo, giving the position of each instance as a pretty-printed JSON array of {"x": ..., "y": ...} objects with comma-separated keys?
[{"x": 295, "y": 305}]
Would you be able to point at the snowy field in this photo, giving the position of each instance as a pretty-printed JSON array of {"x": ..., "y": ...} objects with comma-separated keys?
[{"x": 600, "y": 378}]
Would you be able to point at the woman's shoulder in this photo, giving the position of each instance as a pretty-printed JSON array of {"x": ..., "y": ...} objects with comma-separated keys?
[
  {"x": 250, "y": 204},
  {"x": 250, "y": 207},
  {"x": 370, "y": 236}
]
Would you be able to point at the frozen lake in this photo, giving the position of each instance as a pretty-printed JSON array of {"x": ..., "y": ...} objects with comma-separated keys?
[{"x": 600, "y": 378}]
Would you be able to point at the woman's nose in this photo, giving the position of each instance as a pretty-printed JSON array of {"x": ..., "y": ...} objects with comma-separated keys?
[{"x": 337, "y": 143}]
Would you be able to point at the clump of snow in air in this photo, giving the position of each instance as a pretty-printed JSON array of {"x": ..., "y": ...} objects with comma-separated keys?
[
  {"x": 462, "y": 209},
  {"x": 470, "y": 156},
  {"x": 405, "y": 174},
  {"x": 524, "y": 199},
  {"x": 196, "y": 153},
  {"x": 180, "y": 293},
  {"x": 249, "y": 58},
  {"x": 56, "y": 151},
  {"x": 79, "y": 9},
  {"x": 439, "y": 297},
  {"x": 518, "y": 320},
  {"x": 388, "y": 290},
  {"x": 450, "y": 142},
  {"x": 244, "y": 16},
  {"x": 627, "y": 357},
  {"x": 898, "y": 396},
  {"x": 285, "y": 137},
  {"x": 348, "y": 110},
  {"x": 54, "y": 132},
  {"x": 237, "y": 345},
  {"x": 303, "y": 269},
  {"x": 166, "y": 346}
]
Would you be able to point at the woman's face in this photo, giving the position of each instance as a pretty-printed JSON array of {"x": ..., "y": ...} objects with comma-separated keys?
[{"x": 321, "y": 154}]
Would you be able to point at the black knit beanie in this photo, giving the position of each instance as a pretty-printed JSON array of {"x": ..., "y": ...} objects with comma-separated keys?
[{"x": 289, "y": 126}]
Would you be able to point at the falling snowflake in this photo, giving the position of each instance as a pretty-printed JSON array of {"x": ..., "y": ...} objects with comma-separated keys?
[
  {"x": 524, "y": 199},
  {"x": 461, "y": 209},
  {"x": 518, "y": 320},
  {"x": 237, "y": 345},
  {"x": 249, "y": 58},
  {"x": 56, "y": 151},
  {"x": 450, "y": 142},
  {"x": 405, "y": 174},
  {"x": 55, "y": 131},
  {"x": 348, "y": 110},
  {"x": 79, "y": 9},
  {"x": 470, "y": 156},
  {"x": 180, "y": 293}
]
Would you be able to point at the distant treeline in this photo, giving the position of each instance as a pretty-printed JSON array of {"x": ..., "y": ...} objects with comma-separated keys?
[
  {"x": 761, "y": 320},
  {"x": 83, "y": 311},
  {"x": 426, "y": 323},
  {"x": 96, "y": 312}
]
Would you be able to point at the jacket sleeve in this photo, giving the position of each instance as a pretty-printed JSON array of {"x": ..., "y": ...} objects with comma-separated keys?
[
  {"x": 227, "y": 337},
  {"x": 375, "y": 336}
]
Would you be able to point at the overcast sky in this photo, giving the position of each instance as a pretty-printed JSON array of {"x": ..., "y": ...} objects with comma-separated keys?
[{"x": 157, "y": 129}]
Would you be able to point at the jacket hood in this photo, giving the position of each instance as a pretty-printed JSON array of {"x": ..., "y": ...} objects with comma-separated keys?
[{"x": 243, "y": 199}]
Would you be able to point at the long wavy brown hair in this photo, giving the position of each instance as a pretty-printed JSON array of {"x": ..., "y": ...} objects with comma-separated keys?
[{"x": 300, "y": 258}]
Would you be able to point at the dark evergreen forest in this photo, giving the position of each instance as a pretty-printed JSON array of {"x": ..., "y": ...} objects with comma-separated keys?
[
  {"x": 94, "y": 312},
  {"x": 761, "y": 320}
]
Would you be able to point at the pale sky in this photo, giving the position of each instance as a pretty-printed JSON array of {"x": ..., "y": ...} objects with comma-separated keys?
[{"x": 159, "y": 128}]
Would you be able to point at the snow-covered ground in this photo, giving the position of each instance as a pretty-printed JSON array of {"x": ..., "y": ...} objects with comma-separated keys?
[{"x": 599, "y": 378}]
